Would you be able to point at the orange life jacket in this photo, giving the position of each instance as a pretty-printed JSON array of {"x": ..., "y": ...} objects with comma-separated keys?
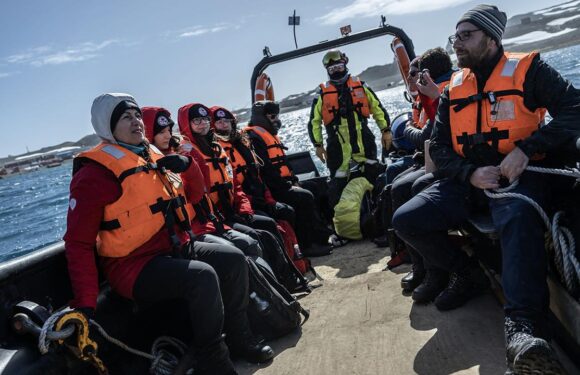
[
  {"x": 142, "y": 209},
  {"x": 497, "y": 115},
  {"x": 330, "y": 105},
  {"x": 221, "y": 190},
  {"x": 275, "y": 149},
  {"x": 237, "y": 160}
]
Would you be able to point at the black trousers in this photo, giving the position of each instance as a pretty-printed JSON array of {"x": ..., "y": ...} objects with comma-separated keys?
[
  {"x": 219, "y": 274},
  {"x": 248, "y": 245},
  {"x": 309, "y": 226},
  {"x": 424, "y": 220}
]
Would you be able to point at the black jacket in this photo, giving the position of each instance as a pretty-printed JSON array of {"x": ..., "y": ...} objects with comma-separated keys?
[
  {"x": 270, "y": 174},
  {"x": 544, "y": 87}
]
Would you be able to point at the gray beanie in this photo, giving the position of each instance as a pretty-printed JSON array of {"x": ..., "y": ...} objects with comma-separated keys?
[
  {"x": 103, "y": 111},
  {"x": 488, "y": 18}
]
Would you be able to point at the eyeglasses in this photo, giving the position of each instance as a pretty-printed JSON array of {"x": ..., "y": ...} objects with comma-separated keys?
[
  {"x": 335, "y": 68},
  {"x": 200, "y": 120},
  {"x": 462, "y": 36}
]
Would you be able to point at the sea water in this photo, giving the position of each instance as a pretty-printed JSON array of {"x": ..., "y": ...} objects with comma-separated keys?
[{"x": 33, "y": 206}]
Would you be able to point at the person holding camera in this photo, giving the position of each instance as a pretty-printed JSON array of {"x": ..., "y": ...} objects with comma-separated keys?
[
  {"x": 490, "y": 124},
  {"x": 344, "y": 105}
]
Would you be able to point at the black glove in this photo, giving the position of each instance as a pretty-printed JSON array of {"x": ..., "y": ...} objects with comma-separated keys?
[{"x": 175, "y": 163}]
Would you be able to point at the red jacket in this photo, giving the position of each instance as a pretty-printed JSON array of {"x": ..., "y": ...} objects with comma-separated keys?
[
  {"x": 91, "y": 189},
  {"x": 241, "y": 203}
]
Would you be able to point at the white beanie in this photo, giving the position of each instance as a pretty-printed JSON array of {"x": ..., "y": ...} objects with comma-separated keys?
[{"x": 102, "y": 110}]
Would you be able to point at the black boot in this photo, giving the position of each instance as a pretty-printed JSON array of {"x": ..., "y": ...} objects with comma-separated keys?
[
  {"x": 434, "y": 282},
  {"x": 526, "y": 353},
  {"x": 317, "y": 250},
  {"x": 469, "y": 282},
  {"x": 413, "y": 279},
  {"x": 244, "y": 344},
  {"x": 212, "y": 359}
]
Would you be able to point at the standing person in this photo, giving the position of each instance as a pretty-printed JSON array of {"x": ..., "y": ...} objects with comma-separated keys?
[
  {"x": 277, "y": 174},
  {"x": 143, "y": 253},
  {"x": 207, "y": 224},
  {"x": 344, "y": 105},
  {"x": 489, "y": 125}
]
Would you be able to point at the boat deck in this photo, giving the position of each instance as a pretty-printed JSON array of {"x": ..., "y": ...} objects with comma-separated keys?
[{"x": 361, "y": 323}]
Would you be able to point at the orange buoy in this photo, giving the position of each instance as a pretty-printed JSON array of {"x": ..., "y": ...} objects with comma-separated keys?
[
  {"x": 264, "y": 89},
  {"x": 402, "y": 58}
]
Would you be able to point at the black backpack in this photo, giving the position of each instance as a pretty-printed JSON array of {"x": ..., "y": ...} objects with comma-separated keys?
[
  {"x": 284, "y": 269},
  {"x": 273, "y": 312}
]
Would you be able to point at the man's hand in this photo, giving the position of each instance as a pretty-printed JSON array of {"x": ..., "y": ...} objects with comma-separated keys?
[
  {"x": 387, "y": 139},
  {"x": 514, "y": 164},
  {"x": 428, "y": 87},
  {"x": 175, "y": 163},
  {"x": 485, "y": 178},
  {"x": 321, "y": 153}
]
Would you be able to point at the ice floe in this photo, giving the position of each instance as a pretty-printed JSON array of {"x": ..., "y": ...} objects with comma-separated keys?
[{"x": 535, "y": 36}]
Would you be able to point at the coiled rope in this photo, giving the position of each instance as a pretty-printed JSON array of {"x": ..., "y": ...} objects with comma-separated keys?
[
  {"x": 563, "y": 241},
  {"x": 164, "y": 356}
]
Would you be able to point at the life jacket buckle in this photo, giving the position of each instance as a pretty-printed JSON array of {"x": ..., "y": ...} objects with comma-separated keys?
[{"x": 477, "y": 138}]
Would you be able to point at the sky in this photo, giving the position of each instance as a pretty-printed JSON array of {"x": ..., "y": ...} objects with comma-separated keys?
[{"x": 57, "y": 56}]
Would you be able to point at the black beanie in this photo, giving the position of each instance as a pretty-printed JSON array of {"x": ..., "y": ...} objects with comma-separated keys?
[
  {"x": 488, "y": 18},
  {"x": 197, "y": 110},
  {"x": 162, "y": 120},
  {"x": 220, "y": 113},
  {"x": 265, "y": 107},
  {"x": 120, "y": 109}
]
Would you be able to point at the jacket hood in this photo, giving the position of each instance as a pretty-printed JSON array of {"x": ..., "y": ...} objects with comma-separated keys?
[
  {"x": 149, "y": 116},
  {"x": 101, "y": 111},
  {"x": 183, "y": 117}
]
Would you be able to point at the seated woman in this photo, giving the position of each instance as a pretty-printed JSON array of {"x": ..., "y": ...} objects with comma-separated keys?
[
  {"x": 224, "y": 190},
  {"x": 246, "y": 165},
  {"x": 143, "y": 252},
  {"x": 207, "y": 224}
]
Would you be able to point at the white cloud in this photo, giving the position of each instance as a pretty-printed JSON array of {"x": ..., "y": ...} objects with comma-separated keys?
[
  {"x": 370, "y": 8},
  {"x": 200, "y": 30},
  {"x": 7, "y": 74},
  {"x": 46, "y": 55}
]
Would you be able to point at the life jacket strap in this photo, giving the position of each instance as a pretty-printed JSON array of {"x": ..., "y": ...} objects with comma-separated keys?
[
  {"x": 493, "y": 136},
  {"x": 490, "y": 95}
]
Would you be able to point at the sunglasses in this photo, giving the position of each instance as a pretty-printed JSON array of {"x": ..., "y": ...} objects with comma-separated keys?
[
  {"x": 200, "y": 120},
  {"x": 462, "y": 36},
  {"x": 335, "y": 68},
  {"x": 272, "y": 116}
]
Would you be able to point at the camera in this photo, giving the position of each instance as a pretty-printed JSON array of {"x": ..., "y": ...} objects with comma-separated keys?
[{"x": 421, "y": 78}]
